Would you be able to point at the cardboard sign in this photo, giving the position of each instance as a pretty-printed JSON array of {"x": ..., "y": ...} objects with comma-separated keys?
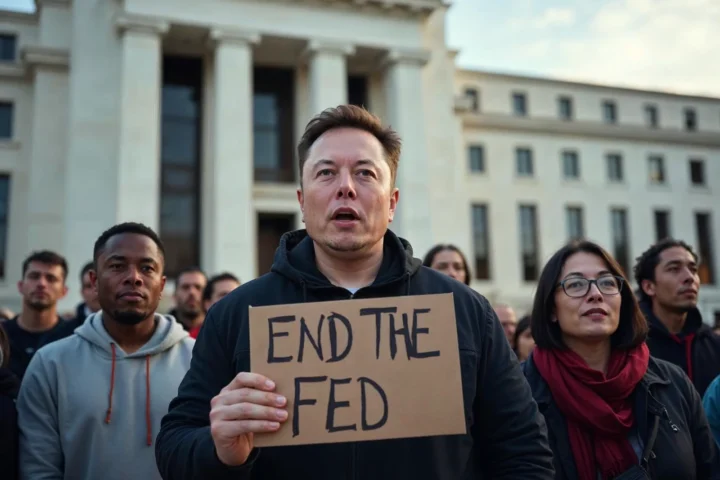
[{"x": 361, "y": 369}]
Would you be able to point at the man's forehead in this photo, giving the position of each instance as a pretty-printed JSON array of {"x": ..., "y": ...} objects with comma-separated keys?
[
  {"x": 130, "y": 245},
  {"x": 676, "y": 254},
  {"x": 40, "y": 267}
]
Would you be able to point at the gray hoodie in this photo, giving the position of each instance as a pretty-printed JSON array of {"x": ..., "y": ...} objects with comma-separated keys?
[{"x": 87, "y": 410}]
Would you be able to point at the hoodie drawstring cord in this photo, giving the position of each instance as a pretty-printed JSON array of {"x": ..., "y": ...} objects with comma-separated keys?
[
  {"x": 687, "y": 343},
  {"x": 147, "y": 400},
  {"x": 148, "y": 419},
  {"x": 112, "y": 385}
]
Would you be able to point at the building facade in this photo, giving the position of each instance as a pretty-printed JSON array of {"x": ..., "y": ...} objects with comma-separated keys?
[{"x": 184, "y": 115}]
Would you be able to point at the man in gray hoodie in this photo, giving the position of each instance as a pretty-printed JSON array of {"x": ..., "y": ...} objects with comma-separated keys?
[{"x": 91, "y": 404}]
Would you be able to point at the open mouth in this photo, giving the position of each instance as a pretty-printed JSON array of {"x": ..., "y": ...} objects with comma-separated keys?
[{"x": 345, "y": 215}]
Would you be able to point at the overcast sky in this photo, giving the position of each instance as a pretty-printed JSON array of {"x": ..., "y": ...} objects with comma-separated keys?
[{"x": 671, "y": 45}]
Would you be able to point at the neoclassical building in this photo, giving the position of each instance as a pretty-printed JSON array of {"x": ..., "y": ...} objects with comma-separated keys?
[{"x": 184, "y": 115}]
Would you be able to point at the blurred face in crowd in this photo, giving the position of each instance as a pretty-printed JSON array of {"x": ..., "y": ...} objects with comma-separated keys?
[
  {"x": 676, "y": 282},
  {"x": 587, "y": 314},
  {"x": 508, "y": 320},
  {"x": 450, "y": 263},
  {"x": 129, "y": 278},
  {"x": 525, "y": 344},
  {"x": 89, "y": 294},
  {"x": 220, "y": 289},
  {"x": 346, "y": 197},
  {"x": 42, "y": 286},
  {"x": 188, "y": 293}
]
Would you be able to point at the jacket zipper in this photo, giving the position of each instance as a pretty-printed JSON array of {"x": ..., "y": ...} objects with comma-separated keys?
[{"x": 672, "y": 425}]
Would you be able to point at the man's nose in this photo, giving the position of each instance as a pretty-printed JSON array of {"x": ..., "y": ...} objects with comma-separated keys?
[{"x": 346, "y": 189}]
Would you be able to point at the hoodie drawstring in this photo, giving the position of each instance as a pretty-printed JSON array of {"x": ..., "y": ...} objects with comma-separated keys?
[
  {"x": 112, "y": 384},
  {"x": 148, "y": 419},
  {"x": 687, "y": 340}
]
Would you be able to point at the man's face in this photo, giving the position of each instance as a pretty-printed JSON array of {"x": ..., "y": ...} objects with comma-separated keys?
[
  {"x": 347, "y": 199},
  {"x": 220, "y": 289},
  {"x": 508, "y": 320},
  {"x": 89, "y": 294},
  {"x": 42, "y": 286},
  {"x": 676, "y": 282},
  {"x": 129, "y": 279},
  {"x": 188, "y": 293}
]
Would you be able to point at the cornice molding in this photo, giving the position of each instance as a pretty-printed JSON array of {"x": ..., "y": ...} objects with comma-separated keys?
[
  {"x": 409, "y": 8},
  {"x": 141, "y": 24},
  {"x": 13, "y": 71},
  {"x": 576, "y": 128},
  {"x": 48, "y": 57},
  {"x": 11, "y": 16},
  {"x": 405, "y": 56},
  {"x": 57, "y": 3},
  {"x": 238, "y": 37},
  {"x": 315, "y": 46}
]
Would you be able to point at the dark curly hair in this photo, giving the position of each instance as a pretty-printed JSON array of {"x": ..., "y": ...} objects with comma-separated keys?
[{"x": 646, "y": 263}]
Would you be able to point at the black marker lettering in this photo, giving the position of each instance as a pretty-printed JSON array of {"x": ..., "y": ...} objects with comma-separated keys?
[
  {"x": 305, "y": 331},
  {"x": 334, "y": 357},
  {"x": 299, "y": 401},
  {"x": 378, "y": 323},
  {"x": 334, "y": 404},
  {"x": 405, "y": 332},
  {"x": 363, "y": 403},
  {"x": 271, "y": 358},
  {"x": 416, "y": 331}
]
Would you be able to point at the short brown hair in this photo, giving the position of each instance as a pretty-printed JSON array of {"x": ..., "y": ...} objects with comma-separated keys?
[
  {"x": 351, "y": 116},
  {"x": 632, "y": 329}
]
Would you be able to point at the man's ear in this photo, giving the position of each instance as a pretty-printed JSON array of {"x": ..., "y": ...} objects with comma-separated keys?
[
  {"x": 394, "y": 199},
  {"x": 301, "y": 201},
  {"x": 648, "y": 287}
]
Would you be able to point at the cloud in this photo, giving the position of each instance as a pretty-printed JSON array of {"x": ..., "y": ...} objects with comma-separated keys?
[{"x": 550, "y": 18}]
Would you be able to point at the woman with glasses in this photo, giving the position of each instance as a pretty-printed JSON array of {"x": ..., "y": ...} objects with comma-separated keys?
[{"x": 612, "y": 411}]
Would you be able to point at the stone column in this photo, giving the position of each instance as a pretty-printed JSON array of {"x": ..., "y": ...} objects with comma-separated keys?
[
  {"x": 405, "y": 113},
  {"x": 327, "y": 74},
  {"x": 138, "y": 195},
  {"x": 228, "y": 188},
  {"x": 48, "y": 150}
]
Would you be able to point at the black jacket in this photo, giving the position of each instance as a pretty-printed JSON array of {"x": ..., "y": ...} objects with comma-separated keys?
[
  {"x": 9, "y": 386},
  {"x": 696, "y": 350},
  {"x": 684, "y": 447},
  {"x": 507, "y": 437}
]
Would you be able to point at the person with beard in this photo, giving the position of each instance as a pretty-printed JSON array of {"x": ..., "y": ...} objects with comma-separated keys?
[
  {"x": 91, "y": 404},
  {"x": 90, "y": 303},
  {"x": 188, "y": 297},
  {"x": 42, "y": 285},
  {"x": 217, "y": 287},
  {"x": 9, "y": 385},
  {"x": 667, "y": 274}
]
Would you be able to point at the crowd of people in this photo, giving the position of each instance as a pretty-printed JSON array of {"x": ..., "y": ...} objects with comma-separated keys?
[{"x": 600, "y": 380}]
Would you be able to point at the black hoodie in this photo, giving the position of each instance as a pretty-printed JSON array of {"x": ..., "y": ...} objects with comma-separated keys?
[
  {"x": 507, "y": 437},
  {"x": 9, "y": 386},
  {"x": 696, "y": 349}
]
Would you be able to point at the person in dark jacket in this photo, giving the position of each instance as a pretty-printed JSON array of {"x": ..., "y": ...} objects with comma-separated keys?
[
  {"x": 348, "y": 162},
  {"x": 9, "y": 387},
  {"x": 612, "y": 411},
  {"x": 667, "y": 274}
]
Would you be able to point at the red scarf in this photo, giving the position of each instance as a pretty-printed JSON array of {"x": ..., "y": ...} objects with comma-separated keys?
[{"x": 598, "y": 408}]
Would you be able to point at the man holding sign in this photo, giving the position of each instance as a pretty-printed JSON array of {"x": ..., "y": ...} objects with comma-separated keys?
[{"x": 350, "y": 359}]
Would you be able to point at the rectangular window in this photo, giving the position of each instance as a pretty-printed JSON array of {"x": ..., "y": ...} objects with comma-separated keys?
[
  {"x": 690, "y": 120},
  {"x": 575, "y": 223},
  {"x": 621, "y": 238},
  {"x": 7, "y": 110},
  {"x": 651, "y": 116},
  {"x": 8, "y": 47},
  {"x": 481, "y": 241},
  {"x": 697, "y": 172},
  {"x": 609, "y": 112},
  {"x": 662, "y": 225},
  {"x": 273, "y": 124},
  {"x": 519, "y": 104},
  {"x": 706, "y": 269},
  {"x": 656, "y": 169},
  {"x": 529, "y": 244},
  {"x": 571, "y": 165},
  {"x": 565, "y": 108},
  {"x": 4, "y": 214},
  {"x": 523, "y": 162},
  {"x": 614, "y": 167},
  {"x": 474, "y": 97},
  {"x": 476, "y": 154},
  {"x": 357, "y": 86}
]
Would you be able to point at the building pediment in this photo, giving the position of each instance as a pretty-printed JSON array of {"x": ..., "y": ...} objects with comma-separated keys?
[{"x": 409, "y": 7}]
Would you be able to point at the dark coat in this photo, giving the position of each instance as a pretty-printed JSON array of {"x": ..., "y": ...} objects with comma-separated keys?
[
  {"x": 9, "y": 386},
  {"x": 684, "y": 447},
  {"x": 506, "y": 436}
]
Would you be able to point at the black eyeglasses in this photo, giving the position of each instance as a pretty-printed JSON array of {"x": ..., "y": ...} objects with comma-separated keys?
[{"x": 579, "y": 287}]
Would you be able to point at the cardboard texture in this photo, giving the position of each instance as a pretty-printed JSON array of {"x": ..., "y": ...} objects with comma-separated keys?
[{"x": 378, "y": 386}]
